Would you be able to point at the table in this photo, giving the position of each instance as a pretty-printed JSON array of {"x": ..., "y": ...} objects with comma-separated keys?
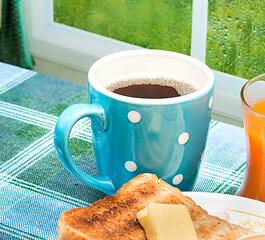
[{"x": 35, "y": 188}]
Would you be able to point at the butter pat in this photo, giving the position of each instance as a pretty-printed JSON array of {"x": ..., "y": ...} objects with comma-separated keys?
[{"x": 167, "y": 222}]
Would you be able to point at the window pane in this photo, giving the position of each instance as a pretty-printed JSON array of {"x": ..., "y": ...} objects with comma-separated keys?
[
  {"x": 236, "y": 37},
  {"x": 154, "y": 24}
]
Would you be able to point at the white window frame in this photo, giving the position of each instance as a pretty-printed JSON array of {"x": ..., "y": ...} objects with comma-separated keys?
[{"x": 79, "y": 49}]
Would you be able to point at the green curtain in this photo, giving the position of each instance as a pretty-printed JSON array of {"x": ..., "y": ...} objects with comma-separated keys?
[{"x": 14, "y": 47}]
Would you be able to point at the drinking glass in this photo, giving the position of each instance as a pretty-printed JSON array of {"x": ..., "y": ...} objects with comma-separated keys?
[{"x": 253, "y": 105}]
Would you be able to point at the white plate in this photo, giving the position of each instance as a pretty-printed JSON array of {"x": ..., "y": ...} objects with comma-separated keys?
[{"x": 245, "y": 212}]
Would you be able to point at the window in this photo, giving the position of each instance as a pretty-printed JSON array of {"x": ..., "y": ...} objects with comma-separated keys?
[
  {"x": 150, "y": 24},
  {"x": 233, "y": 47},
  {"x": 236, "y": 37}
]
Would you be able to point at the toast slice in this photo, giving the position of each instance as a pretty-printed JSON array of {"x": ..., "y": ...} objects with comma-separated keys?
[{"x": 114, "y": 217}]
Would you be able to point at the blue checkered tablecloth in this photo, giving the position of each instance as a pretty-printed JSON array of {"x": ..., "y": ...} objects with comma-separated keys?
[{"x": 35, "y": 188}]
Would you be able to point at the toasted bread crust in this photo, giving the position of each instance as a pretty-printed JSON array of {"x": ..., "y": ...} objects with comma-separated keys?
[{"x": 114, "y": 217}]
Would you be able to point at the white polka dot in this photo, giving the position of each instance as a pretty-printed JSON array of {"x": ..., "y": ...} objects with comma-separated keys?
[
  {"x": 210, "y": 102},
  {"x": 202, "y": 154},
  {"x": 183, "y": 138},
  {"x": 177, "y": 179},
  {"x": 130, "y": 166},
  {"x": 134, "y": 116}
]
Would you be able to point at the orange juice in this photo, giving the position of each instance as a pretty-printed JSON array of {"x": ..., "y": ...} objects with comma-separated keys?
[{"x": 254, "y": 182}]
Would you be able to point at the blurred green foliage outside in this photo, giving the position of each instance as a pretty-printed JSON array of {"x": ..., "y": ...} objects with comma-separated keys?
[
  {"x": 236, "y": 37},
  {"x": 235, "y": 34}
]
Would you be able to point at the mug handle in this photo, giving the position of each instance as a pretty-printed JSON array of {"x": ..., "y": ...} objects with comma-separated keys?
[{"x": 63, "y": 128}]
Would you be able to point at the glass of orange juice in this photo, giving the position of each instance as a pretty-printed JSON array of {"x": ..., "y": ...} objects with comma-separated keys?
[{"x": 253, "y": 105}]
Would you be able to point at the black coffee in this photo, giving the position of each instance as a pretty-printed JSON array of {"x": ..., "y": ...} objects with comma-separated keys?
[{"x": 151, "y": 88}]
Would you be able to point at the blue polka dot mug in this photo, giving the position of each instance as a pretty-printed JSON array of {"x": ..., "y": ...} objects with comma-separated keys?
[{"x": 131, "y": 135}]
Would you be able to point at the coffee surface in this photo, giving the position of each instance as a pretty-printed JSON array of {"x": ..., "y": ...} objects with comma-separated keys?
[
  {"x": 147, "y": 91},
  {"x": 151, "y": 88}
]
